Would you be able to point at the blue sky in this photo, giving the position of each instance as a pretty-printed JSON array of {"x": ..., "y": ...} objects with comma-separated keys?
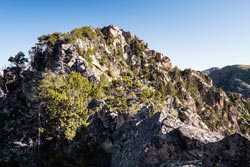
[{"x": 195, "y": 34}]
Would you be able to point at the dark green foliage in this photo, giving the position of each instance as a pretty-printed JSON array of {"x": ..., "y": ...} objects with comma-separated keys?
[
  {"x": 18, "y": 59},
  {"x": 161, "y": 89},
  {"x": 140, "y": 47},
  {"x": 176, "y": 74},
  {"x": 78, "y": 33},
  {"x": 49, "y": 39},
  {"x": 170, "y": 88}
]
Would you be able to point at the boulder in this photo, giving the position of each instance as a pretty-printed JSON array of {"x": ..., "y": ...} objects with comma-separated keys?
[
  {"x": 101, "y": 128},
  {"x": 162, "y": 140},
  {"x": 231, "y": 151}
]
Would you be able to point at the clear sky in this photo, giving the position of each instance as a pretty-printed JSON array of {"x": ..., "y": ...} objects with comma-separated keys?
[{"x": 195, "y": 34}]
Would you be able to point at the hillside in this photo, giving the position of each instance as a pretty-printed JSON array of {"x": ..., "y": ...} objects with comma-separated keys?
[
  {"x": 210, "y": 70},
  {"x": 234, "y": 78},
  {"x": 101, "y": 97}
]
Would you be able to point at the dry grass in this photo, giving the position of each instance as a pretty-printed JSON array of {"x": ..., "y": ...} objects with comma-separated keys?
[{"x": 245, "y": 67}]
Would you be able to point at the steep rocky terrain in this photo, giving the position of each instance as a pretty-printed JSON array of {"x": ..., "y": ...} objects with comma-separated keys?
[
  {"x": 234, "y": 78},
  {"x": 101, "y": 97}
]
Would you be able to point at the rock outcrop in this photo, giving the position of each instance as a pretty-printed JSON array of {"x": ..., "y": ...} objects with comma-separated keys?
[
  {"x": 140, "y": 110},
  {"x": 162, "y": 140}
]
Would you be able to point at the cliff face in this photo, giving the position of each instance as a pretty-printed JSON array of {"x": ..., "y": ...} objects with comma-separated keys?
[
  {"x": 132, "y": 107},
  {"x": 233, "y": 78}
]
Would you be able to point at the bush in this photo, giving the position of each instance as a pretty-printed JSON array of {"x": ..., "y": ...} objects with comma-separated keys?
[
  {"x": 128, "y": 81},
  {"x": 161, "y": 89},
  {"x": 147, "y": 95},
  {"x": 176, "y": 73},
  {"x": 84, "y": 32},
  {"x": 140, "y": 47},
  {"x": 110, "y": 39},
  {"x": 49, "y": 39},
  {"x": 87, "y": 55},
  {"x": 170, "y": 88},
  {"x": 66, "y": 101},
  {"x": 19, "y": 59},
  {"x": 104, "y": 60}
]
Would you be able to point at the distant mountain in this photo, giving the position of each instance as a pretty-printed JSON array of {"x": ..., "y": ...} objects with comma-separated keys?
[
  {"x": 210, "y": 70},
  {"x": 234, "y": 78}
]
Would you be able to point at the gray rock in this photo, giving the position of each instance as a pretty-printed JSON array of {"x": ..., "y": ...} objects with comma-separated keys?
[
  {"x": 163, "y": 140},
  {"x": 144, "y": 112},
  {"x": 232, "y": 151}
]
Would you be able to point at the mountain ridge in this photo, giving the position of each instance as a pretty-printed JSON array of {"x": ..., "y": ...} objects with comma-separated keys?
[
  {"x": 234, "y": 78},
  {"x": 88, "y": 95}
]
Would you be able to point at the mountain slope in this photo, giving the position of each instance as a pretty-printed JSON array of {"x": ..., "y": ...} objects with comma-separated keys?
[
  {"x": 233, "y": 78},
  {"x": 87, "y": 96},
  {"x": 210, "y": 70}
]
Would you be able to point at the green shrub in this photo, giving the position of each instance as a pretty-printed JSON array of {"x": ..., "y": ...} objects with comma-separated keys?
[
  {"x": 90, "y": 51},
  {"x": 66, "y": 100},
  {"x": 146, "y": 95},
  {"x": 110, "y": 39},
  {"x": 176, "y": 73},
  {"x": 87, "y": 55},
  {"x": 137, "y": 84},
  {"x": 161, "y": 89},
  {"x": 146, "y": 72},
  {"x": 128, "y": 81},
  {"x": 84, "y": 32},
  {"x": 170, "y": 88},
  {"x": 49, "y": 39},
  {"x": 104, "y": 60},
  {"x": 19, "y": 59},
  {"x": 140, "y": 47}
]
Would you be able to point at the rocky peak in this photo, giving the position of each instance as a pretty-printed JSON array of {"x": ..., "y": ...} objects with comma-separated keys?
[
  {"x": 101, "y": 97},
  {"x": 109, "y": 47},
  {"x": 112, "y": 31}
]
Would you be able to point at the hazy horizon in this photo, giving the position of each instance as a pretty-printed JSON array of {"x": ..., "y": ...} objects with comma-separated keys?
[{"x": 193, "y": 34}]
